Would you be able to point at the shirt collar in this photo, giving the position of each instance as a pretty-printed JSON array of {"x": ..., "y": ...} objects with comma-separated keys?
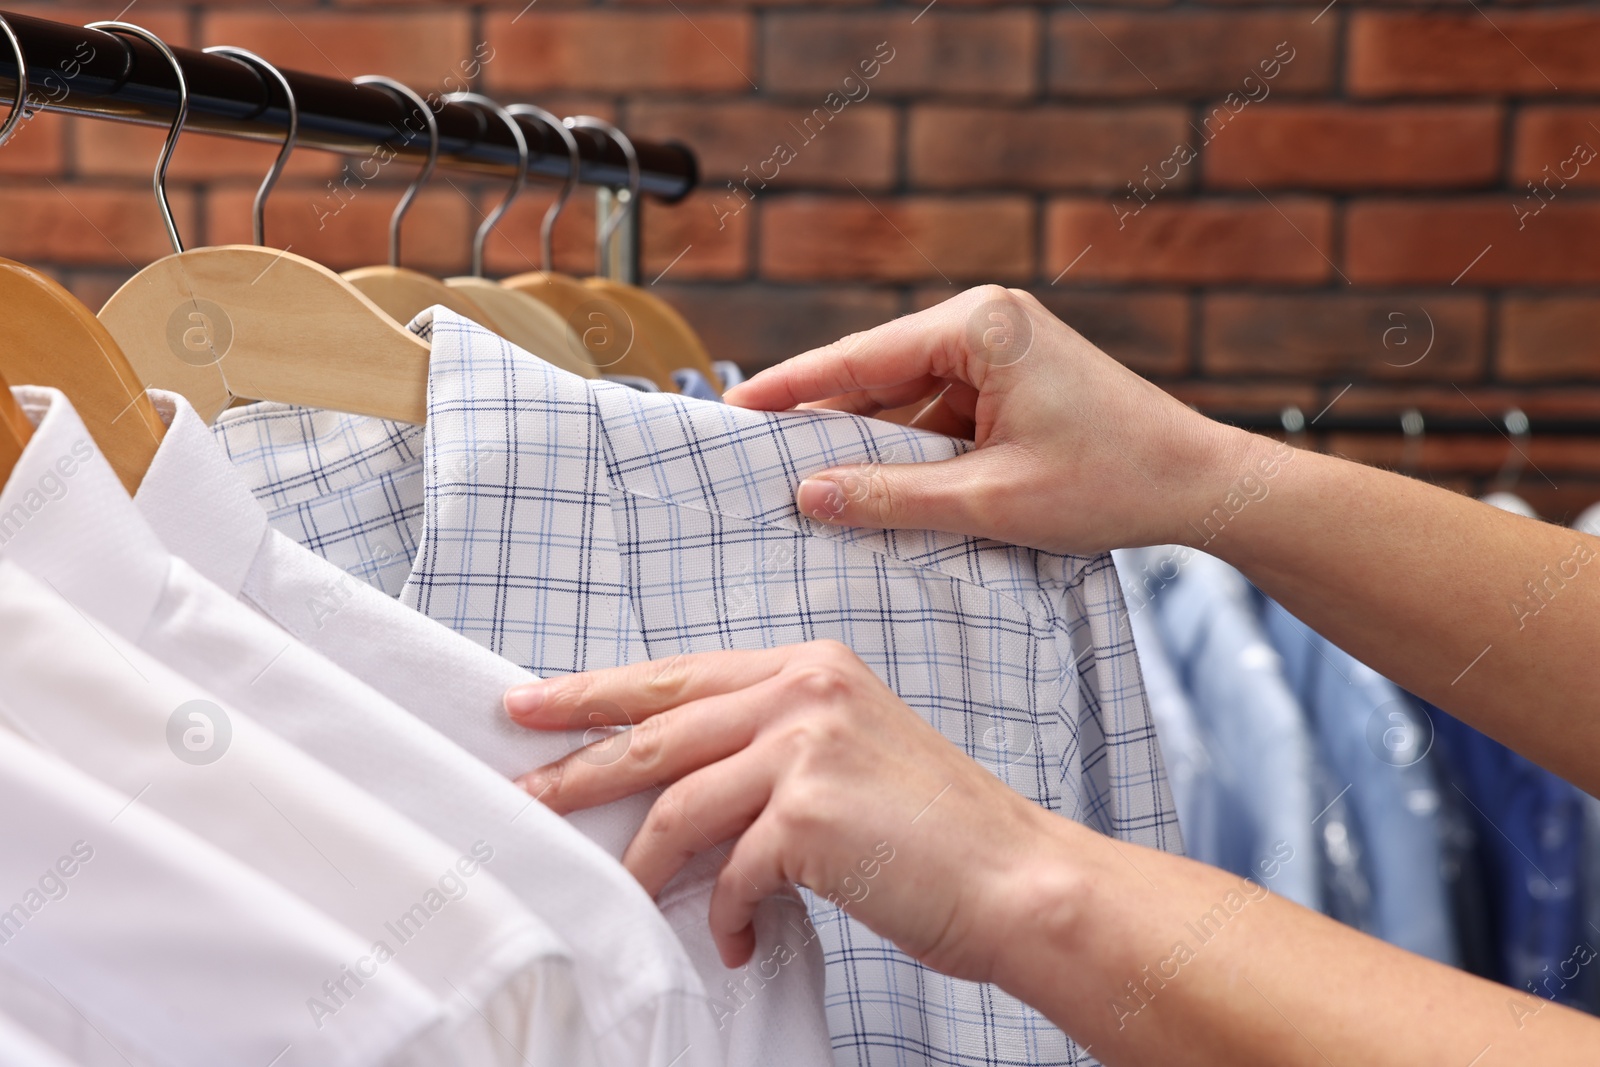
[
  {"x": 196, "y": 502},
  {"x": 516, "y": 476},
  {"x": 66, "y": 518}
]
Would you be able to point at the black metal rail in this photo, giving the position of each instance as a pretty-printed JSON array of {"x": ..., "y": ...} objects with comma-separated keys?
[{"x": 80, "y": 71}]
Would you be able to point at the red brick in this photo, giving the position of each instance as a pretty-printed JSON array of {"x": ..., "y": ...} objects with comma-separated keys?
[
  {"x": 1204, "y": 243},
  {"x": 738, "y": 4},
  {"x": 1335, "y": 146},
  {"x": 115, "y": 150},
  {"x": 1215, "y": 398},
  {"x": 1186, "y": 53},
  {"x": 1548, "y": 137},
  {"x": 89, "y": 225},
  {"x": 94, "y": 287},
  {"x": 1322, "y": 335},
  {"x": 669, "y": 229},
  {"x": 1148, "y": 332},
  {"x": 619, "y": 51},
  {"x": 437, "y": 235},
  {"x": 1039, "y": 147},
  {"x": 1545, "y": 338},
  {"x": 856, "y": 145},
  {"x": 37, "y": 146},
  {"x": 422, "y": 49},
  {"x": 514, "y": 245},
  {"x": 807, "y": 238},
  {"x": 1397, "y": 242},
  {"x": 1481, "y": 454},
  {"x": 1536, "y": 53},
  {"x": 759, "y": 325},
  {"x": 709, "y": 247},
  {"x": 991, "y": 54}
]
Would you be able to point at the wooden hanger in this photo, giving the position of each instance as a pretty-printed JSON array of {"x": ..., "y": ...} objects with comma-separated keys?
[
  {"x": 15, "y": 430},
  {"x": 518, "y": 317},
  {"x": 48, "y": 338},
  {"x": 609, "y": 331},
  {"x": 672, "y": 341},
  {"x": 401, "y": 292},
  {"x": 234, "y": 321}
]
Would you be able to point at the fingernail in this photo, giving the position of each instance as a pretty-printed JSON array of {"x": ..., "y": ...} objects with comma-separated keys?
[
  {"x": 820, "y": 498},
  {"x": 525, "y": 700},
  {"x": 534, "y": 783}
]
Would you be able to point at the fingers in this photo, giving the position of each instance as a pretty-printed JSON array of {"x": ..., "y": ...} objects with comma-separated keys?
[
  {"x": 947, "y": 495},
  {"x": 895, "y": 362},
  {"x": 697, "y": 813},
  {"x": 659, "y": 750},
  {"x": 753, "y": 873},
  {"x": 623, "y": 696}
]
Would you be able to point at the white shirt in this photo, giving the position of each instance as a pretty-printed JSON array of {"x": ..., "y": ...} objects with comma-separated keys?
[
  {"x": 422, "y": 905},
  {"x": 140, "y": 941},
  {"x": 19, "y": 1047},
  {"x": 645, "y": 1002}
]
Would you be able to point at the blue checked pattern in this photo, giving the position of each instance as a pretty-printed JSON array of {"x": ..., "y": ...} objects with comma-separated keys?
[{"x": 571, "y": 525}]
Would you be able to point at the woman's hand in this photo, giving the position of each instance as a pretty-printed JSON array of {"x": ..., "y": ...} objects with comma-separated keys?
[
  {"x": 831, "y": 780},
  {"x": 1075, "y": 452}
]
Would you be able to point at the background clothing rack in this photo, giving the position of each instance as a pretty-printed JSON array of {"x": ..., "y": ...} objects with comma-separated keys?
[
  {"x": 80, "y": 71},
  {"x": 1502, "y": 424}
]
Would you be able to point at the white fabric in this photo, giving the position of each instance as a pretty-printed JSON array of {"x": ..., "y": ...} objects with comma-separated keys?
[
  {"x": 142, "y": 943},
  {"x": 645, "y": 1002},
  {"x": 19, "y": 1047},
  {"x": 494, "y": 966}
]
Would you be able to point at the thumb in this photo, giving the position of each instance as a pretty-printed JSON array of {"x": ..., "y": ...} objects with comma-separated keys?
[{"x": 909, "y": 496}]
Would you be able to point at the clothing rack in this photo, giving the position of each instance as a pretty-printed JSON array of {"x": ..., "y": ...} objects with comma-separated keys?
[
  {"x": 77, "y": 71},
  {"x": 1412, "y": 422}
]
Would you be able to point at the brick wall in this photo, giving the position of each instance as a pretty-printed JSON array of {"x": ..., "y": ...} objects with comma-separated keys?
[{"x": 1254, "y": 203}]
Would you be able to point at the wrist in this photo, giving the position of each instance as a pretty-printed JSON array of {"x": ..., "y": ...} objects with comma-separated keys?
[
  {"x": 1039, "y": 905},
  {"x": 1233, "y": 473}
]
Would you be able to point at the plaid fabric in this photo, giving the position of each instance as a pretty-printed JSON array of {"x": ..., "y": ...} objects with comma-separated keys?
[{"x": 571, "y": 525}]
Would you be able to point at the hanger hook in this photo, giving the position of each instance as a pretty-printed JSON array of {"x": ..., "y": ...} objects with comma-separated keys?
[
  {"x": 259, "y": 212},
  {"x": 518, "y": 183},
  {"x": 1293, "y": 421},
  {"x": 547, "y": 228},
  {"x": 178, "y": 119},
  {"x": 1415, "y": 430},
  {"x": 635, "y": 178},
  {"x": 403, "y": 90},
  {"x": 19, "y": 103},
  {"x": 1520, "y": 431}
]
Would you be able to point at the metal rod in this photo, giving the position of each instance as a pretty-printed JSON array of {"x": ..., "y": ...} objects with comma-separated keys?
[
  {"x": 1475, "y": 425},
  {"x": 78, "y": 71},
  {"x": 619, "y": 257}
]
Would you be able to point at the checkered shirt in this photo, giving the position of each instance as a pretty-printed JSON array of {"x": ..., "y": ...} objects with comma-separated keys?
[{"x": 571, "y": 525}]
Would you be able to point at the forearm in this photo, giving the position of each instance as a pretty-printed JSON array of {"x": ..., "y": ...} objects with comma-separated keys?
[
  {"x": 1148, "y": 958},
  {"x": 1487, "y": 614}
]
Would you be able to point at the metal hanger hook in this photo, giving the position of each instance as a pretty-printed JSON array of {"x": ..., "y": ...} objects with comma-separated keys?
[
  {"x": 259, "y": 212},
  {"x": 1519, "y": 431},
  {"x": 481, "y": 238},
  {"x": 178, "y": 119},
  {"x": 547, "y": 228},
  {"x": 1415, "y": 430},
  {"x": 19, "y": 103},
  {"x": 403, "y": 90},
  {"x": 635, "y": 178}
]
